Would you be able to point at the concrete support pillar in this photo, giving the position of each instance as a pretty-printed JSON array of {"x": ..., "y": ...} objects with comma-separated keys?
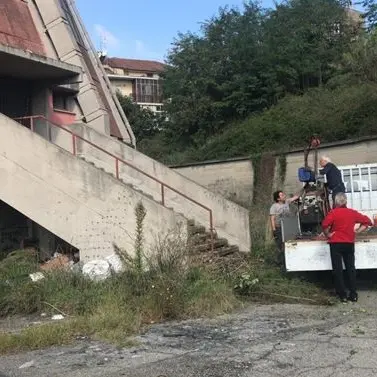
[{"x": 41, "y": 106}]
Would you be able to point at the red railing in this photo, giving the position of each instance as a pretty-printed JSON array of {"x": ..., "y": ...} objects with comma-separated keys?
[{"x": 29, "y": 122}]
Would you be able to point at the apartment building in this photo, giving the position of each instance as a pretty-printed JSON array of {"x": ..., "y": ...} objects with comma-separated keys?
[{"x": 139, "y": 79}]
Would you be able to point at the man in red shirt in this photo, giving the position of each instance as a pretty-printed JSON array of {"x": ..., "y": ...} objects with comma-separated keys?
[{"x": 339, "y": 227}]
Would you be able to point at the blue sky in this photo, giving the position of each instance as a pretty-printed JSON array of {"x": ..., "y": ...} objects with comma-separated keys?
[{"x": 144, "y": 29}]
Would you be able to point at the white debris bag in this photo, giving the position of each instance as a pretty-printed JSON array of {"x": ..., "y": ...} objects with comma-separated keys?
[
  {"x": 36, "y": 276},
  {"x": 57, "y": 317},
  {"x": 27, "y": 365},
  {"x": 115, "y": 263},
  {"x": 97, "y": 270}
]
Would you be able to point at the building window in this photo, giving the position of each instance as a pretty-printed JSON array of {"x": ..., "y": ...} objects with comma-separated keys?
[
  {"x": 62, "y": 101},
  {"x": 148, "y": 91},
  {"x": 360, "y": 179}
]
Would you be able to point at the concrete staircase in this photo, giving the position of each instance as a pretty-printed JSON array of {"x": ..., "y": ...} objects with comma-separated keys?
[
  {"x": 79, "y": 203},
  {"x": 82, "y": 203},
  {"x": 200, "y": 239},
  {"x": 167, "y": 187}
]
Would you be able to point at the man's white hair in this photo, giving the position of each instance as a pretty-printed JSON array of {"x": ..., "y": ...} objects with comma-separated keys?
[
  {"x": 325, "y": 158},
  {"x": 340, "y": 200}
]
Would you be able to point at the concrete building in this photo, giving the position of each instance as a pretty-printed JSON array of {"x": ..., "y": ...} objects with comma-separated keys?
[
  {"x": 70, "y": 172},
  {"x": 138, "y": 79}
]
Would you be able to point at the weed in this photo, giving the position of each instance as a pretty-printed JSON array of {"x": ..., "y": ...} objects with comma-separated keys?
[
  {"x": 134, "y": 264},
  {"x": 170, "y": 254},
  {"x": 245, "y": 284},
  {"x": 209, "y": 297},
  {"x": 264, "y": 282},
  {"x": 158, "y": 286},
  {"x": 163, "y": 286},
  {"x": 140, "y": 214},
  {"x": 110, "y": 322},
  {"x": 18, "y": 265}
]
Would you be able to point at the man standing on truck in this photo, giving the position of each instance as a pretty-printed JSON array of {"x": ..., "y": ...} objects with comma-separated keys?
[
  {"x": 339, "y": 227},
  {"x": 280, "y": 209},
  {"x": 333, "y": 177}
]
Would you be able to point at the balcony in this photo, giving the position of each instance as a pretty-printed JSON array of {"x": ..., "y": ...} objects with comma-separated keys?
[
  {"x": 26, "y": 65},
  {"x": 147, "y": 91}
]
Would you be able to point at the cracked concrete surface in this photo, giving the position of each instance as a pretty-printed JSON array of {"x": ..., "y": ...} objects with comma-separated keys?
[{"x": 260, "y": 341}]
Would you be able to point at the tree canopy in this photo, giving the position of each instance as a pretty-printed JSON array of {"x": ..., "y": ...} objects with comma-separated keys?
[
  {"x": 243, "y": 61},
  {"x": 255, "y": 79}
]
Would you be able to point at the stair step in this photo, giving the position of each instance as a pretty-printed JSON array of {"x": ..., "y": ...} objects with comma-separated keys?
[
  {"x": 227, "y": 250},
  {"x": 142, "y": 192},
  {"x": 196, "y": 229},
  {"x": 122, "y": 180},
  {"x": 206, "y": 246},
  {"x": 199, "y": 238}
]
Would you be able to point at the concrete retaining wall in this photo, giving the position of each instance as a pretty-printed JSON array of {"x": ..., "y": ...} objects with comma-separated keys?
[
  {"x": 358, "y": 152},
  {"x": 234, "y": 178}
]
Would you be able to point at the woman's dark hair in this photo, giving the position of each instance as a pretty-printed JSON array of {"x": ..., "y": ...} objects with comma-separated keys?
[{"x": 276, "y": 195}]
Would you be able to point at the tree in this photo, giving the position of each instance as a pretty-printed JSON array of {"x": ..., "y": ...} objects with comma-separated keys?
[
  {"x": 144, "y": 123},
  {"x": 306, "y": 40},
  {"x": 216, "y": 76},
  {"x": 360, "y": 61},
  {"x": 243, "y": 61},
  {"x": 370, "y": 13}
]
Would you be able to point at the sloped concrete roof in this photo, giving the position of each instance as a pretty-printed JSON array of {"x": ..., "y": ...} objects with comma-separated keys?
[
  {"x": 17, "y": 27},
  {"x": 24, "y": 64}
]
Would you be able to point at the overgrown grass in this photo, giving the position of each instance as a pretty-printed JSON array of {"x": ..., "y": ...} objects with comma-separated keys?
[
  {"x": 115, "y": 309},
  {"x": 111, "y": 310},
  {"x": 264, "y": 282}
]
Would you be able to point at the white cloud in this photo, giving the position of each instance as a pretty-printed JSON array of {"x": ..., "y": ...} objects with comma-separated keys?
[
  {"x": 124, "y": 46},
  {"x": 140, "y": 46},
  {"x": 106, "y": 36}
]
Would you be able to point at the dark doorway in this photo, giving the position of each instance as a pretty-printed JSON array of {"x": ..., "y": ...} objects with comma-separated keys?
[{"x": 15, "y": 97}]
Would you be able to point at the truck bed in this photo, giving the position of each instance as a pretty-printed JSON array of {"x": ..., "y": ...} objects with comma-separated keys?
[{"x": 314, "y": 254}]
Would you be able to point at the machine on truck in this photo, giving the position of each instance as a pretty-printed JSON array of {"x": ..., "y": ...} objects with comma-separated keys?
[{"x": 305, "y": 249}]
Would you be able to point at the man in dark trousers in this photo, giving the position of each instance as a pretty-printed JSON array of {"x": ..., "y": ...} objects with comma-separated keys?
[
  {"x": 280, "y": 209},
  {"x": 339, "y": 227},
  {"x": 333, "y": 177}
]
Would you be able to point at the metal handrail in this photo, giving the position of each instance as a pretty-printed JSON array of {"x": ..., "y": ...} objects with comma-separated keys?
[{"x": 117, "y": 160}]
